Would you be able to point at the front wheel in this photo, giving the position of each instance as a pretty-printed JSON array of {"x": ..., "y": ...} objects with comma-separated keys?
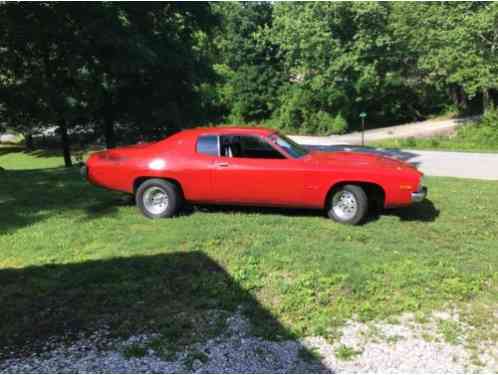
[
  {"x": 158, "y": 198},
  {"x": 348, "y": 205}
]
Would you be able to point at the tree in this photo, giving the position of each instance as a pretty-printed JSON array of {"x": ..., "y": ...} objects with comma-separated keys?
[
  {"x": 38, "y": 57},
  {"x": 476, "y": 40},
  {"x": 132, "y": 65},
  {"x": 455, "y": 46},
  {"x": 142, "y": 63},
  {"x": 336, "y": 54},
  {"x": 251, "y": 72}
]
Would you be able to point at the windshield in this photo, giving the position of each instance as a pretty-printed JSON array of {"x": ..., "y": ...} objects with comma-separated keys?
[{"x": 292, "y": 148}]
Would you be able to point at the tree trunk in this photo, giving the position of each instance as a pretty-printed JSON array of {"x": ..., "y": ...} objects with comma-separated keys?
[
  {"x": 486, "y": 103},
  {"x": 462, "y": 100},
  {"x": 66, "y": 150},
  {"x": 453, "y": 93},
  {"x": 28, "y": 141},
  {"x": 493, "y": 94},
  {"x": 458, "y": 97},
  {"x": 110, "y": 138}
]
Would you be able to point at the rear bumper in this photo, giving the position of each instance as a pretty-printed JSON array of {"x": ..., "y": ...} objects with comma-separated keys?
[{"x": 420, "y": 195}]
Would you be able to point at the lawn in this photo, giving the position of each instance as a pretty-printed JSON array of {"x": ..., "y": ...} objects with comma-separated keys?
[{"x": 74, "y": 257}]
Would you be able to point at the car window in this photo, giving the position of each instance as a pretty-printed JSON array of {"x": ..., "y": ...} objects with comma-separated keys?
[
  {"x": 292, "y": 148},
  {"x": 208, "y": 145},
  {"x": 244, "y": 146}
]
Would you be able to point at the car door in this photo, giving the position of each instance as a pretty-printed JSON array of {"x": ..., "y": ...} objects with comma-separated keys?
[
  {"x": 255, "y": 173},
  {"x": 197, "y": 169}
]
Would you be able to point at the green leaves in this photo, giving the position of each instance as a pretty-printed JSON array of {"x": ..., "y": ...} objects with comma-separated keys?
[
  {"x": 104, "y": 63},
  {"x": 304, "y": 67}
]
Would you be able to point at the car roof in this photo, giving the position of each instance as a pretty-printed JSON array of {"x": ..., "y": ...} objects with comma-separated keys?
[{"x": 232, "y": 130}]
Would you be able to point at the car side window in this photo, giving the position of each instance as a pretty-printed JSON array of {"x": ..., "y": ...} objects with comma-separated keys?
[
  {"x": 246, "y": 146},
  {"x": 208, "y": 145}
]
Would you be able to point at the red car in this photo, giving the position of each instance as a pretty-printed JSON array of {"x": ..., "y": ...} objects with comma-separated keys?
[{"x": 253, "y": 166}]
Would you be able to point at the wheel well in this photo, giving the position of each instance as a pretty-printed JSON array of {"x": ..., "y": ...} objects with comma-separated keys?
[
  {"x": 375, "y": 193},
  {"x": 138, "y": 181}
]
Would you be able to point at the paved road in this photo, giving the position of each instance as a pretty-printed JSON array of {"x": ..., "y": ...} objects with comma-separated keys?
[
  {"x": 432, "y": 163},
  {"x": 417, "y": 129},
  {"x": 437, "y": 163}
]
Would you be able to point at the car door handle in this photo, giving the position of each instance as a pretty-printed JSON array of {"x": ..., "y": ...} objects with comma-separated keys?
[{"x": 221, "y": 164}]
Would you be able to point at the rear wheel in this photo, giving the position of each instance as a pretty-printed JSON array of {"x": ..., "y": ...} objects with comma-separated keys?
[
  {"x": 348, "y": 205},
  {"x": 158, "y": 198}
]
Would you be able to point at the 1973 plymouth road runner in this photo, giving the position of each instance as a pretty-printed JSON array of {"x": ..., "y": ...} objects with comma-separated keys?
[{"x": 253, "y": 166}]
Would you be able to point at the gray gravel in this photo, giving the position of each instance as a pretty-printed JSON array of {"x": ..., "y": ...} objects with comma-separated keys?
[{"x": 379, "y": 347}]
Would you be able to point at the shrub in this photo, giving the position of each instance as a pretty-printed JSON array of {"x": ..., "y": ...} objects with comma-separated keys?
[
  {"x": 293, "y": 113},
  {"x": 410, "y": 142},
  {"x": 340, "y": 124},
  {"x": 485, "y": 132},
  {"x": 490, "y": 119},
  {"x": 326, "y": 124}
]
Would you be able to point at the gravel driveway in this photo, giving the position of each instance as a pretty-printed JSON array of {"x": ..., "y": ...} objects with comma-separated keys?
[
  {"x": 422, "y": 129},
  {"x": 404, "y": 346}
]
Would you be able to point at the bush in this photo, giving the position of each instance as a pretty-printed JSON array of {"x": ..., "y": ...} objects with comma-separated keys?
[
  {"x": 485, "y": 132},
  {"x": 293, "y": 113},
  {"x": 326, "y": 124},
  {"x": 490, "y": 119},
  {"x": 299, "y": 112}
]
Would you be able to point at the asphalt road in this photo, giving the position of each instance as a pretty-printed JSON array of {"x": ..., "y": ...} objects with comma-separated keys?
[
  {"x": 436, "y": 163},
  {"x": 456, "y": 164},
  {"x": 432, "y": 163}
]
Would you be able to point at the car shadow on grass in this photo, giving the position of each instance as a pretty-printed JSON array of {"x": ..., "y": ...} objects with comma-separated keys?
[
  {"x": 109, "y": 206},
  {"x": 424, "y": 211},
  {"x": 234, "y": 209},
  {"x": 181, "y": 297}
]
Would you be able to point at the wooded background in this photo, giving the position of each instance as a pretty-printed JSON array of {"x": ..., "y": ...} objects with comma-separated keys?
[{"x": 123, "y": 72}]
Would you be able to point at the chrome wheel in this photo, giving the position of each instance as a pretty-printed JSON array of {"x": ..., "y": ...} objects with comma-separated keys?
[
  {"x": 155, "y": 200},
  {"x": 344, "y": 205}
]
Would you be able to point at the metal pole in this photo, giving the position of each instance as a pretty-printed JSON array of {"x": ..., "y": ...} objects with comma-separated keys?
[{"x": 363, "y": 131}]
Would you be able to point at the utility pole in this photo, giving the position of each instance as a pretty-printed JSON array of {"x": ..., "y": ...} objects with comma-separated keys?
[{"x": 363, "y": 115}]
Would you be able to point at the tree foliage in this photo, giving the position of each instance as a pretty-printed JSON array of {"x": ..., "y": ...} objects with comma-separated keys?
[
  {"x": 124, "y": 71},
  {"x": 250, "y": 71},
  {"x": 103, "y": 65},
  {"x": 395, "y": 61}
]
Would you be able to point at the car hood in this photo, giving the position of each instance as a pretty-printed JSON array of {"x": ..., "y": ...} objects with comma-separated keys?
[{"x": 357, "y": 160}]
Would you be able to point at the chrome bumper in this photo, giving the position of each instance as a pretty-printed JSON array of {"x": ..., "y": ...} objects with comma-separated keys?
[{"x": 420, "y": 195}]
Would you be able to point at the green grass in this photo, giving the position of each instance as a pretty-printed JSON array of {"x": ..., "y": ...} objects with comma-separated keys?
[
  {"x": 309, "y": 355},
  {"x": 135, "y": 351},
  {"x": 73, "y": 257},
  {"x": 450, "y": 330},
  {"x": 346, "y": 353}
]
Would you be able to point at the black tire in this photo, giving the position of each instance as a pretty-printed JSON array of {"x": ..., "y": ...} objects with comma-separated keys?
[
  {"x": 353, "y": 193},
  {"x": 158, "y": 187}
]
